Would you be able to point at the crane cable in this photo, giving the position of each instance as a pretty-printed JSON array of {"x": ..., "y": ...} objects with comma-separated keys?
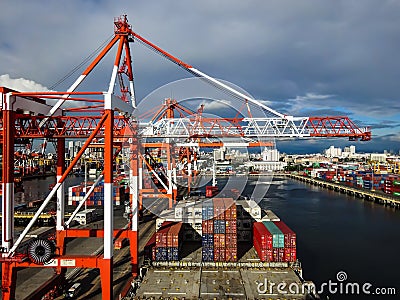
[{"x": 75, "y": 69}]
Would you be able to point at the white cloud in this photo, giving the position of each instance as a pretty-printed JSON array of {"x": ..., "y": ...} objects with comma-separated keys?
[
  {"x": 311, "y": 96},
  {"x": 215, "y": 104},
  {"x": 298, "y": 104},
  {"x": 21, "y": 84}
]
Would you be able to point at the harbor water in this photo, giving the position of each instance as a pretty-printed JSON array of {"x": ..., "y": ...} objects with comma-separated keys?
[{"x": 338, "y": 233}]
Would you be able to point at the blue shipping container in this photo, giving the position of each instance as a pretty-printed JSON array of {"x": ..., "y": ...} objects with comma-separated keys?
[
  {"x": 207, "y": 254},
  {"x": 207, "y": 240},
  {"x": 173, "y": 254},
  {"x": 161, "y": 254}
]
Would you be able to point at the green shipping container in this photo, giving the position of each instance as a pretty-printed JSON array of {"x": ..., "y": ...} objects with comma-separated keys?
[
  {"x": 396, "y": 194},
  {"x": 396, "y": 182},
  {"x": 278, "y": 238}
]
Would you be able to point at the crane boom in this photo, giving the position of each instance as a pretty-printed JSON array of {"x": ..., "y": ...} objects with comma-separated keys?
[{"x": 208, "y": 78}]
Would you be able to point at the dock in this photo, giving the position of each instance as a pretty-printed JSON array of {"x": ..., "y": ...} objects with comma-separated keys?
[{"x": 368, "y": 195}]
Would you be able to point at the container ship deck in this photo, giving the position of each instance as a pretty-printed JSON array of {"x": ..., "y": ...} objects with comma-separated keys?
[{"x": 191, "y": 273}]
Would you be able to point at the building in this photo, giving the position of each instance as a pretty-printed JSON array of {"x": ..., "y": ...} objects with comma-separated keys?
[
  {"x": 270, "y": 155},
  {"x": 349, "y": 151},
  {"x": 270, "y": 161},
  {"x": 333, "y": 152},
  {"x": 219, "y": 154},
  {"x": 379, "y": 157}
]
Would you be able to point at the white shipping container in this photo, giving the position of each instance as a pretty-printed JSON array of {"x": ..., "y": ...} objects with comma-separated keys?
[
  {"x": 179, "y": 209},
  {"x": 198, "y": 210}
]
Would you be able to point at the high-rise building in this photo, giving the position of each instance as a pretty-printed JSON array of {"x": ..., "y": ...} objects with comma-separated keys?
[
  {"x": 270, "y": 155},
  {"x": 333, "y": 152}
]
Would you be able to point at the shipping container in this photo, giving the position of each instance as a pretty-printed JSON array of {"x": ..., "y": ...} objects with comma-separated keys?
[
  {"x": 174, "y": 236},
  {"x": 231, "y": 254},
  {"x": 293, "y": 254},
  {"x": 162, "y": 234},
  {"x": 149, "y": 248},
  {"x": 230, "y": 209},
  {"x": 262, "y": 235},
  {"x": 219, "y": 254},
  {"x": 278, "y": 239},
  {"x": 207, "y": 226},
  {"x": 207, "y": 254},
  {"x": 211, "y": 191},
  {"x": 208, "y": 240},
  {"x": 161, "y": 254},
  {"x": 231, "y": 240},
  {"x": 230, "y": 226},
  {"x": 219, "y": 226},
  {"x": 278, "y": 254},
  {"x": 172, "y": 254},
  {"x": 290, "y": 236},
  {"x": 219, "y": 209},
  {"x": 207, "y": 210},
  {"x": 219, "y": 240},
  {"x": 263, "y": 253}
]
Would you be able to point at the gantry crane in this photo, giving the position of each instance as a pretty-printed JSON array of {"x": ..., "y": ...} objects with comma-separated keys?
[{"x": 27, "y": 115}]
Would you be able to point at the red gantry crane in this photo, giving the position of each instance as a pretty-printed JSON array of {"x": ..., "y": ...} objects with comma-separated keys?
[{"x": 104, "y": 115}]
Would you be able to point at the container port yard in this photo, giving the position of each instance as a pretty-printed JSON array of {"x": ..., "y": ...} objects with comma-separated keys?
[{"x": 160, "y": 217}]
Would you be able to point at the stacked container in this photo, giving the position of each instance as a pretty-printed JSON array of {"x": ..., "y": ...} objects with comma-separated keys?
[
  {"x": 168, "y": 240},
  {"x": 207, "y": 231},
  {"x": 274, "y": 241},
  {"x": 230, "y": 230},
  {"x": 77, "y": 193},
  {"x": 278, "y": 241},
  {"x": 219, "y": 230},
  {"x": 262, "y": 242},
  {"x": 290, "y": 241}
]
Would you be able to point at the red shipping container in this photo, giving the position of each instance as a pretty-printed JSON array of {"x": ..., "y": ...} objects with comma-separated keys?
[
  {"x": 173, "y": 237},
  {"x": 211, "y": 191},
  {"x": 231, "y": 254},
  {"x": 281, "y": 254},
  {"x": 230, "y": 240},
  {"x": 219, "y": 208},
  {"x": 230, "y": 226},
  {"x": 219, "y": 240},
  {"x": 219, "y": 254},
  {"x": 162, "y": 233},
  {"x": 230, "y": 209},
  {"x": 262, "y": 235},
  {"x": 208, "y": 226},
  {"x": 278, "y": 254},
  {"x": 287, "y": 254},
  {"x": 293, "y": 254},
  {"x": 263, "y": 254},
  {"x": 290, "y": 236}
]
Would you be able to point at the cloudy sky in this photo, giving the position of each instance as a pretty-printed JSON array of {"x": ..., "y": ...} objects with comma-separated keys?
[{"x": 304, "y": 57}]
